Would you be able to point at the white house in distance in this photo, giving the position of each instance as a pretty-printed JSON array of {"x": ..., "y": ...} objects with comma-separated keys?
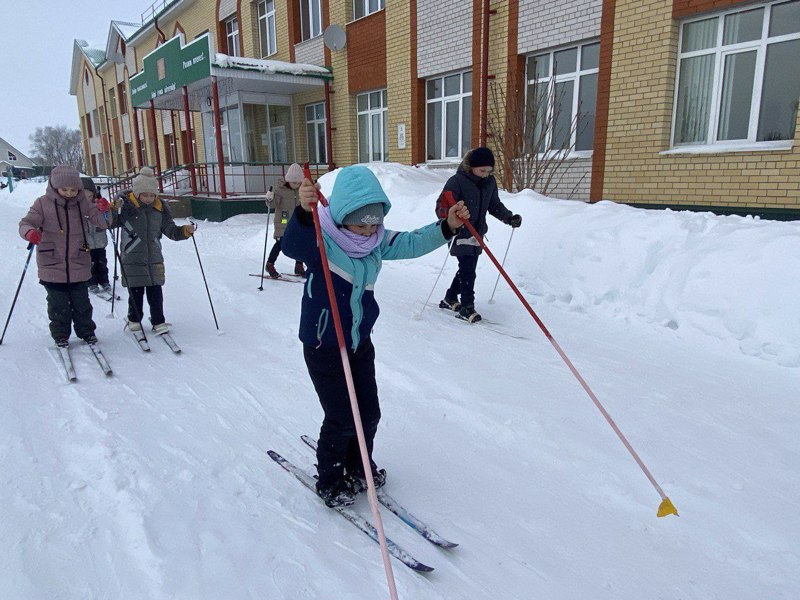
[{"x": 11, "y": 157}]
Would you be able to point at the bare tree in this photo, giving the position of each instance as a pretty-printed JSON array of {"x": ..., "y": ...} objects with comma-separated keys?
[
  {"x": 533, "y": 135},
  {"x": 58, "y": 145}
]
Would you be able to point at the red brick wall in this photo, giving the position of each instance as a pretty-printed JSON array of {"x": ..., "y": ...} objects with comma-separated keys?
[
  {"x": 687, "y": 8},
  {"x": 366, "y": 53}
]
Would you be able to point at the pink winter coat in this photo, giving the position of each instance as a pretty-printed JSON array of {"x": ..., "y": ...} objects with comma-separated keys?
[{"x": 63, "y": 254}]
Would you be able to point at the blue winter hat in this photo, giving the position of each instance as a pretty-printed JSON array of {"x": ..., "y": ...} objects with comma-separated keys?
[{"x": 355, "y": 187}]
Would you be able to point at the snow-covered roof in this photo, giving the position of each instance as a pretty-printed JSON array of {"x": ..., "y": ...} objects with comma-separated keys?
[
  {"x": 96, "y": 55},
  {"x": 127, "y": 29},
  {"x": 270, "y": 66},
  {"x": 80, "y": 49}
]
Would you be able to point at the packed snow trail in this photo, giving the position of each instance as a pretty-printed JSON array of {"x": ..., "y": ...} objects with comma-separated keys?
[{"x": 155, "y": 484}]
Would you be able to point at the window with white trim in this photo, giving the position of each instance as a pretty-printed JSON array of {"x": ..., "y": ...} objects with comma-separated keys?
[
  {"x": 362, "y": 8},
  {"x": 737, "y": 78},
  {"x": 448, "y": 116},
  {"x": 372, "y": 111},
  {"x": 232, "y": 35},
  {"x": 316, "y": 137},
  {"x": 266, "y": 28},
  {"x": 11, "y": 155},
  {"x": 563, "y": 84},
  {"x": 310, "y": 19}
]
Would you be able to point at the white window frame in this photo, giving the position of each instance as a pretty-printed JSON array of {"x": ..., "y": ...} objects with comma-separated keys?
[
  {"x": 319, "y": 155},
  {"x": 443, "y": 100},
  {"x": 11, "y": 155},
  {"x": 232, "y": 35},
  {"x": 552, "y": 79},
  {"x": 382, "y": 111},
  {"x": 720, "y": 51},
  {"x": 268, "y": 28},
  {"x": 313, "y": 9},
  {"x": 364, "y": 8}
]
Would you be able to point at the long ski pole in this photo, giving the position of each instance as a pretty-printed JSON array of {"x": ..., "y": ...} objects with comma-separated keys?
[
  {"x": 205, "y": 281},
  {"x": 264, "y": 259},
  {"x": 115, "y": 246},
  {"x": 503, "y": 264},
  {"x": 24, "y": 270},
  {"x": 362, "y": 444},
  {"x": 418, "y": 316},
  {"x": 118, "y": 258},
  {"x": 666, "y": 507}
]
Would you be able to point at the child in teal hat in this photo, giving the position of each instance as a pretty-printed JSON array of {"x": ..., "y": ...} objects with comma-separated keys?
[{"x": 356, "y": 243}]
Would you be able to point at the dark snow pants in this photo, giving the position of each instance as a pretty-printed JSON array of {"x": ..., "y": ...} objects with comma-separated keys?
[
  {"x": 464, "y": 281},
  {"x": 99, "y": 267},
  {"x": 155, "y": 299},
  {"x": 68, "y": 305},
  {"x": 276, "y": 250},
  {"x": 338, "y": 450}
]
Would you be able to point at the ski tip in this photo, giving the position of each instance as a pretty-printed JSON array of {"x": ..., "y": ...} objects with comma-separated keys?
[{"x": 421, "y": 567}]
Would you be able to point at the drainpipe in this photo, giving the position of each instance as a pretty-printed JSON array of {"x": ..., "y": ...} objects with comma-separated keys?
[
  {"x": 136, "y": 135},
  {"x": 328, "y": 128},
  {"x": 218, "y": 132},
  {"x": 161, "y": 35},
  {"x": 108, "y": 127},
  {"x": 484, "y": 71},
  {"x": 189, "y": 148},
  {"x": 155, "y": 140}
]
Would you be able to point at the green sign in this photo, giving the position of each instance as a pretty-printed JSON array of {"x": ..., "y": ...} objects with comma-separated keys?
[{"x": 169, "y": 67}]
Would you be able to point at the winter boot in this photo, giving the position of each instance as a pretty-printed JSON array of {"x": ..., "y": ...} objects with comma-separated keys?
[
  {"x": 299, "y": 270},
  {"x": 134, "y": 326},
  {"x": 90, "y": 339},
  {"x": 338, "y": 495},
  {"x": 62, "y": 342},
  {"x": 104, "y": 287},
  {"x": 467, "y": 313},
  {"x": 450, "y": 303},
  {"x": 161, "y": 328},
  {"x": 358, "y": 483},
  {"x": 94, "y": 288},
  {"x": 272, "y": 271}
]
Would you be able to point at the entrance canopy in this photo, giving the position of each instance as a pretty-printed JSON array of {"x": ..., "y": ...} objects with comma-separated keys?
[{"x": 171, "y": 66}]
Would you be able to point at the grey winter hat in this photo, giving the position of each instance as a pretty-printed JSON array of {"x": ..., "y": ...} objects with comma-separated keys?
[
  {"x": 369, "y": 214},
  {"x": 64, "y": 176},
  {"x": 145, "y": 182}
]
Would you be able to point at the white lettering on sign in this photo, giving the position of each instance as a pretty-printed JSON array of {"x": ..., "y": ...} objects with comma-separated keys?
[
  {"x": 140, "y": 88},
  {"x": 194, "y": 61}
]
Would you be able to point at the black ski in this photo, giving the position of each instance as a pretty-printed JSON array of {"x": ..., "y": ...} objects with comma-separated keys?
[
  {"x": 363, "y": 524},
  {"x": 101, "y": 359},
  {"x": 398, "y": 509},
  {"x": 284, "y": 277}
]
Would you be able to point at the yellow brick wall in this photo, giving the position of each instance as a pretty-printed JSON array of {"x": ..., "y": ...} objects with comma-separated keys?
[
  {"x": 343, "y": 105},
  {"x": 299, "y": 112},
  {"x": 399, "y": 79},
  {"x": 640, "y": 114}
]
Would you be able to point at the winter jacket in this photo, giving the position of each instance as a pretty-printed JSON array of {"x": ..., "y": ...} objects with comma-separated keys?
[
  {"x": 96, "y": 236},
  {"x": 63, "y": 254},
  {"x": 142, "y": 226},
  {"x": 353, "y": 278},
  {"x": 284, "y": 201},
  {"x": 480, "y": 196}
]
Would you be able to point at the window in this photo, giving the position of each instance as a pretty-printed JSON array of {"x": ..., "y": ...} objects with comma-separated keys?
[
  {"x": 310, "y": 18},
  {"x": 316, "y": 134},
  {"x": 232, "y": 36},
  {"x": 11, "y": 155},
  {"x": 449, "y": 115},
  {"x": 737, "y": 76},
  {"x": 96, "y": 121},
  {"x": 123, "y": 100},
  {"x": 266, "y": 27},
  {"x": 373, "y": 143},
  {"x": 87, "y": 120},
  {"x": 362, "y": 8},
  {"x": 562, "y": 84},
  {"x": 112, "y": 102}
]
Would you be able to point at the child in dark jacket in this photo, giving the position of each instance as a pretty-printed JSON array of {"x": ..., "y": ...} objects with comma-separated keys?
[
  {"x": 476, "y": 186},
  {"x": 57, "y": 224},
  {"x": 143, "y": 219},
  {"x": 356, "y": 243}
]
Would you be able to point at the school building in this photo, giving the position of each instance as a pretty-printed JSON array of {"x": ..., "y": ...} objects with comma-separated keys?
[{"x": 661, "y": 103}]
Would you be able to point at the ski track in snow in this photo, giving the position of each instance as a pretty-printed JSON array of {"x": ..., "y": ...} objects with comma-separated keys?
[{"x": 155, "y": 483}]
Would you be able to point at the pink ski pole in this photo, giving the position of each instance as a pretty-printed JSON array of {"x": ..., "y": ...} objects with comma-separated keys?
[
  {"x": 666, "y": 507},
  {"x": 362, "y": 443}
]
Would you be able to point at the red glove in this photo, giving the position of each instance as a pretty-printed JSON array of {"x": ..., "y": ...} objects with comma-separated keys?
[
  {"x": 103, "y": 205},
  {"x": 33, "y": 236}
]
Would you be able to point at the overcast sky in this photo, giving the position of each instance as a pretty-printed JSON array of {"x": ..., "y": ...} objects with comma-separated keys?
[{"x": 36, "y": 39}]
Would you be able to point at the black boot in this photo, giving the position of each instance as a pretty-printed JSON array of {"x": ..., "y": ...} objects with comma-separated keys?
[
  {"x": 468, "y": 313},
  {"x": 338, "y": 495},
  {"x": 272, "y": 271},
  {"x": 450, "y": 303}
]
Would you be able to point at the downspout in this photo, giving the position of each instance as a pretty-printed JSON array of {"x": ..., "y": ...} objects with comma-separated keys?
[
  {"x": 484, "y": 71},
  {"x": 161, "y": 34},
  {"x": 108, "y": 127},
  {"x": 328, "y": 128}
]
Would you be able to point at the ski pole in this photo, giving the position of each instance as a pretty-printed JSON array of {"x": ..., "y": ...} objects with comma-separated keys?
[
  {"x": 264, "y": 259},
  {"x": 24, "y": 270},
  {"x": 666, "y": 507},
  {"x": 362, "y": 444},
  {"x": 114, "y": 242},
  {"x": 204, "y": 277},
  {"x": 418, "y": 316},
  {"x": 503, "y": 264}
]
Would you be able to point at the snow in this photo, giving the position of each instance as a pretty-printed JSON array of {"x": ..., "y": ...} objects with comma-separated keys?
[
  {"x": 268, "y": 66},
  {"x": 155, "y": 483}
]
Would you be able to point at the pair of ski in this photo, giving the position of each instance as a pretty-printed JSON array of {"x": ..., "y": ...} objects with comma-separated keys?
[
  {"x": 143, "y": 343},
  {"x": 365, "y": 525},
  {"x": 104, "y": 295},
  {"x": 287, "y": 277},
  {"x": 484, "y": 323},
  {"x": 68, "y": 367}
]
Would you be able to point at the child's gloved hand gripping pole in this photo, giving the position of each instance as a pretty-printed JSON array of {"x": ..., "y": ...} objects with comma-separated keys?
[
  {"x": 666, "y": 507},
  {"x": 362, "y": 444}
]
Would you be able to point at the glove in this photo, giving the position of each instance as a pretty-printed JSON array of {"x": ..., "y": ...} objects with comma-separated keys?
[
  {"x": 514, "y": 221},
  {"x": 269, "y": 196},
  {"x": 33, "y": 236},
  {"x": 103, "y": 205}
]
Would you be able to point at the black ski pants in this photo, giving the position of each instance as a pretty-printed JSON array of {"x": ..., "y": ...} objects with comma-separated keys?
[
  {"x": 338, "y": 450},
  {"x": 155, "y": 299},
  {"x": 464, "y": 281},
  {"x": 68, "y": 306},
  {"x": 276, "y": 250},
  {"x": 99, "y": 267}
]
